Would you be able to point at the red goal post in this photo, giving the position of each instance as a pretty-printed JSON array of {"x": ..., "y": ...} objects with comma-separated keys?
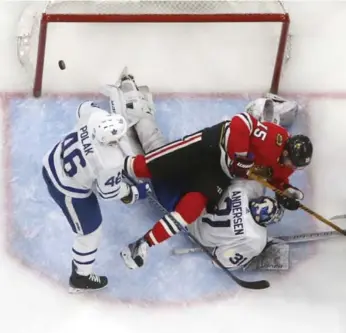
[{"x": 33, "y": 35}]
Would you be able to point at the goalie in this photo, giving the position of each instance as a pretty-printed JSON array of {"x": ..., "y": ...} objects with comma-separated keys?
[{"x": 236, "y": 227}]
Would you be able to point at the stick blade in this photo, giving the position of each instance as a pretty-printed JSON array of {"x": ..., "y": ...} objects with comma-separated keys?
[{"x": 255, "y": 285}]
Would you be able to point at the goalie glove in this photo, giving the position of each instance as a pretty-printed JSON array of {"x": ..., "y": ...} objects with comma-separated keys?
[
  {"x": 136, "y": 193},
  {"x": 291, "y": 198},
  {"x": 139, "y": 108}
]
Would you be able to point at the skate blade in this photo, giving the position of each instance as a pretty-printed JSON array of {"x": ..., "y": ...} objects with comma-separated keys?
[
  {"x": 128, "y": 261},
  {"x": 73, "y": 290}
]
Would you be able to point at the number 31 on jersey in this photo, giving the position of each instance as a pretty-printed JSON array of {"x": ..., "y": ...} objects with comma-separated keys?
[{"x": 236, "y": 259}]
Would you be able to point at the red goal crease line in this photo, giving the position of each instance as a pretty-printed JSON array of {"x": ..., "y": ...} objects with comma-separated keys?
[{"x": 163, "y": 18}]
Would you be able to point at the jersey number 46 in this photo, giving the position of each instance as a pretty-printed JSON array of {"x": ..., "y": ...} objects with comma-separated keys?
[{"x": 72, "y": 156}]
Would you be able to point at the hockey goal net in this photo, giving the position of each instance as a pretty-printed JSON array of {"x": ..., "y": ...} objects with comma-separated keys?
[{"x": 173, "y": 46}]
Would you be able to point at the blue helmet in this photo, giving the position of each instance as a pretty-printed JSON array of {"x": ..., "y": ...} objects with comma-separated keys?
[{"x": 266, "y": 211}]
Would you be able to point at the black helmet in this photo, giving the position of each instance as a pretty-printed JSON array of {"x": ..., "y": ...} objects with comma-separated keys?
[{"x": 299, "y": 148}]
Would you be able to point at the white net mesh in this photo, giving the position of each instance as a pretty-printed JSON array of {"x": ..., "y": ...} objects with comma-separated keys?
[
  {"x": 184, "y": 57},
  {"x": 164, "y": 7}
]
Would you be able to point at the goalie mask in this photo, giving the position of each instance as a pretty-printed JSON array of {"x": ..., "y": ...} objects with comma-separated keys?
[
  {"x": 266, "y": 211},
  {"x": 108, "y": 129}
]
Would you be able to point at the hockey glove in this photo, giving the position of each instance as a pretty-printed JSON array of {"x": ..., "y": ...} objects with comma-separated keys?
[
  {"x": 291, "y": 200},
  {"x": 241, "y": 165},
  {"x": 136, "y": 193}
]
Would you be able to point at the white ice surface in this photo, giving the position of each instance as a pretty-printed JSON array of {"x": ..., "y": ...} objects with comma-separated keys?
[{"x": 30, "y": 303}]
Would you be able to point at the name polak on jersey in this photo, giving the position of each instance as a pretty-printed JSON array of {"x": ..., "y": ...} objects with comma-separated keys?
[
  {"x": 237, "y": 212},
  {"x": 84, "y": 134}
]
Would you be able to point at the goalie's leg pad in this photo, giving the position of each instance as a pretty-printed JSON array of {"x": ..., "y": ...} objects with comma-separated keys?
[
  {"x": 286, "y": 109},
  {"x": 274, "y": 257},
  {"x": 149, "y": 134},
  {"x": 147, "y": 94},
  {"x": 288, "y": 112}
]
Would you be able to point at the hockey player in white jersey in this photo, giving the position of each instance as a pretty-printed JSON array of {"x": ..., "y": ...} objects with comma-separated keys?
[
  {"x": 237, "y": 229},
  {"x": 87, "y": 162}
]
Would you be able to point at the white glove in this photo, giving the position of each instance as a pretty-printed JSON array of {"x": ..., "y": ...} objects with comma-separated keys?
[{"x": 138, "y": 101}]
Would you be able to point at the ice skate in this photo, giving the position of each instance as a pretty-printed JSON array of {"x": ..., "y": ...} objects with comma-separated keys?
[
  {"x": 81, "y": 283},
  {"x": 134, "y": 254}
]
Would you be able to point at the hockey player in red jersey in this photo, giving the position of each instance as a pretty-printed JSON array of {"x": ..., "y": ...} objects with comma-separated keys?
[{"x": 203, "y": 164}]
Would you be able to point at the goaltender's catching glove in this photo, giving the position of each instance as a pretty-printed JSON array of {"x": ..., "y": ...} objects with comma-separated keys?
[{"x": 291, "y": 200}]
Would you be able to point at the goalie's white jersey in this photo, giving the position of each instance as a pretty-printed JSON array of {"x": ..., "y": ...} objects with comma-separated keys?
[
  {"x": 79, "y": 164},
  {"x": 231, "y": 230}
]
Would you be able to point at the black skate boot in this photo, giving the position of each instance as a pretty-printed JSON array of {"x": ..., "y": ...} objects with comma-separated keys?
[
  {"x": 80, "y": 283},
  {"x": 134, "y": 254}
]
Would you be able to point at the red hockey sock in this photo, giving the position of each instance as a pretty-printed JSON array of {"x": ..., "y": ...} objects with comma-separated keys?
[
  {"x": 140, "y": 168},
  {"x": 188, "y": 209}
]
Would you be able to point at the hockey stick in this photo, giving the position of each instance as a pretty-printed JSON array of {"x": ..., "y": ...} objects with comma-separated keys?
[
  {"x": 338, "y": 217},
  {"x": 300, "y": 238},
  {"x": 261, "y": 284},
  {"x": 262, "y": 181}
]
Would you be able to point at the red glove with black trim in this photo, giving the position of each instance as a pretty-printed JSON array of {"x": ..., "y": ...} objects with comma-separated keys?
[{"x": 241, "y": 165}]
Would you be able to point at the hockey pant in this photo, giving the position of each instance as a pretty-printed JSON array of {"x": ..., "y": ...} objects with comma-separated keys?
[{"x": 177, "y": 166}]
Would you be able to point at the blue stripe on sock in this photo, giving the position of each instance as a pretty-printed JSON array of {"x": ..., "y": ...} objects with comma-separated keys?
[
  {"x": 83, "y": 263},
  {"x": 83, "y": 254}
]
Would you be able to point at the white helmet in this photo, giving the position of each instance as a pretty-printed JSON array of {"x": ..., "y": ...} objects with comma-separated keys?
[
  {"x": 263, "y": 110},
  {"x": 107, "y": 128}
]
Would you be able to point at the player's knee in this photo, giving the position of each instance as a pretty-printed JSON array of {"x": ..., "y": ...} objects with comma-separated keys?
[{"x": 191, "y": 205}]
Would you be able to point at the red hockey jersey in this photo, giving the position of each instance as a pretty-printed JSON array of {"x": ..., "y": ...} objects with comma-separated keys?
[{"x": 246, "y": 135}]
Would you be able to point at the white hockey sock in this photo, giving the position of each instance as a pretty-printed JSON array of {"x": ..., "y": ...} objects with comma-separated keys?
[{"x": 84, "y": 251}]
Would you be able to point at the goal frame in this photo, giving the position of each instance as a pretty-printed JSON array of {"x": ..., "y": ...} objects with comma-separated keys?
[{"x": 47, "y": 18}]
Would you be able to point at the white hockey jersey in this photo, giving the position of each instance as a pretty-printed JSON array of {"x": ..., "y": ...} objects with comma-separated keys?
[
  {"x": 231, "y": 230},
  {"x": 79, "y": 164}
]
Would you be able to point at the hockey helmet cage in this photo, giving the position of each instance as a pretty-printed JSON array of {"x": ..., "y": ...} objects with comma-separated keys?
[
  {"x": 299, "y": 150},
  {"x": 266, "y": 211},
  {"x": 108, "y": 128}
]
